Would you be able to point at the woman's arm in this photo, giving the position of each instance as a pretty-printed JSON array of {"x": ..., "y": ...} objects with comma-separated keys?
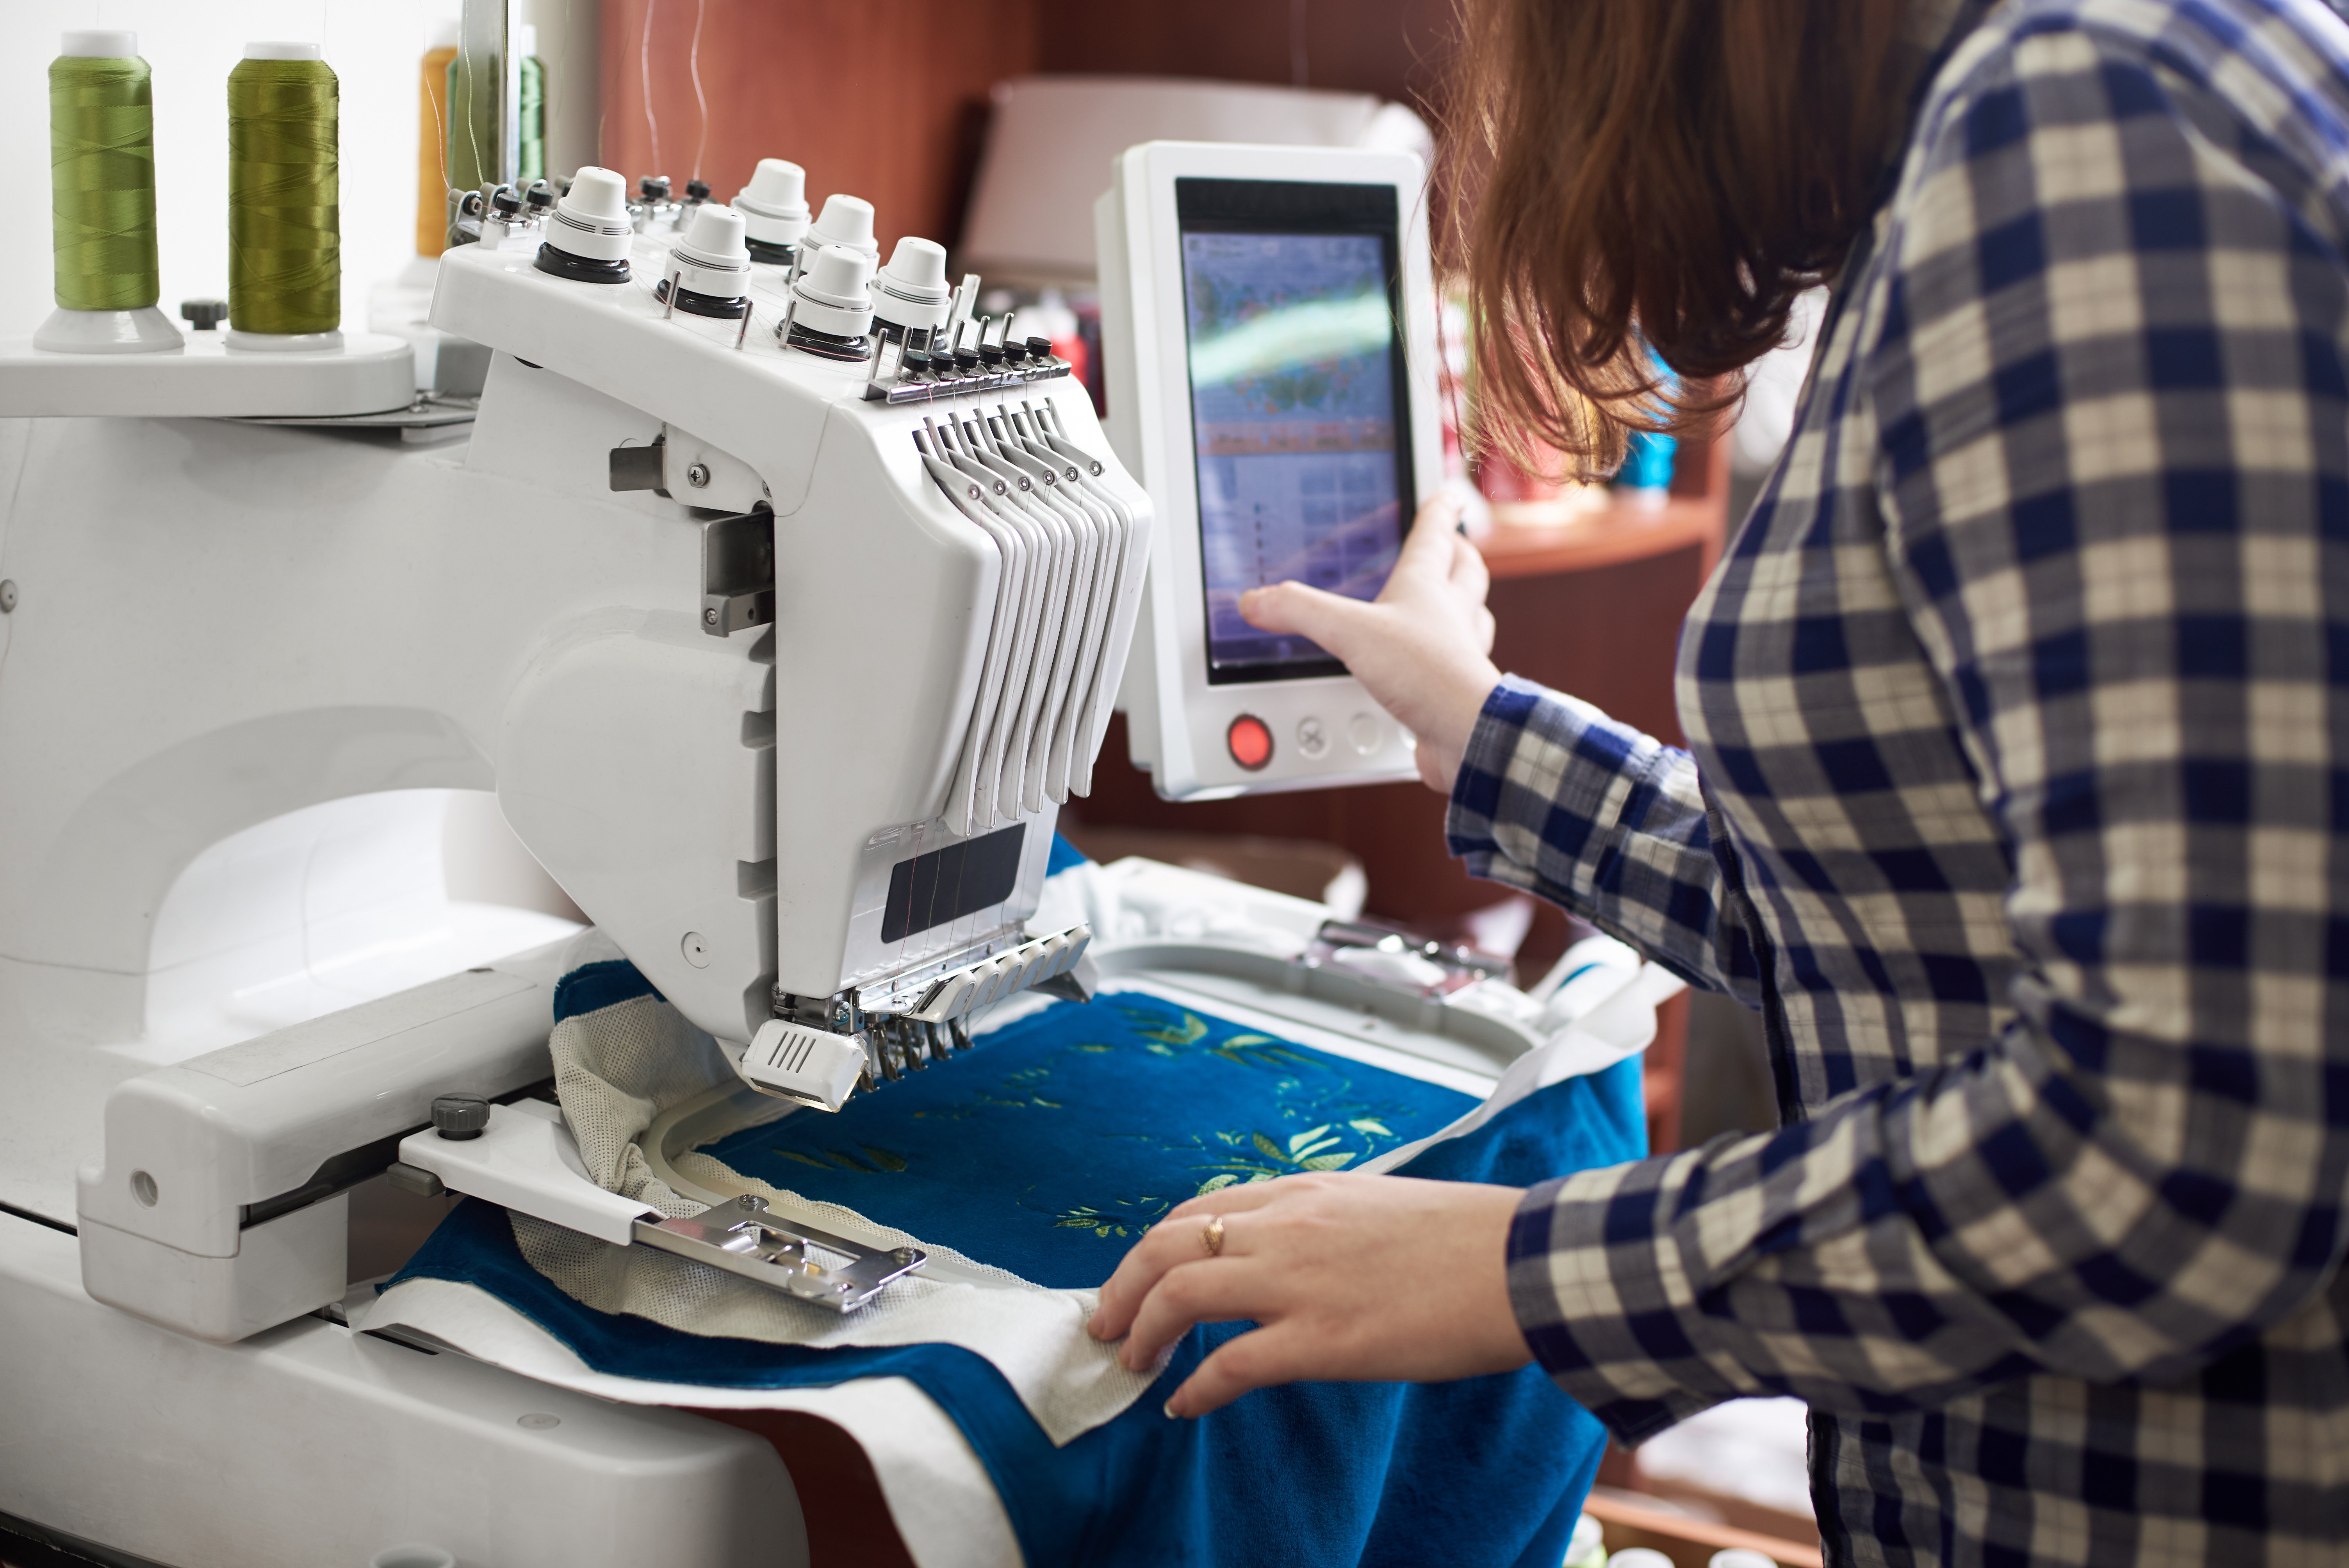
[
  {"x": 2112, "y": 404},
  {"x": 1548, "y": 794},
  {"x": 1554, "y": 797}
]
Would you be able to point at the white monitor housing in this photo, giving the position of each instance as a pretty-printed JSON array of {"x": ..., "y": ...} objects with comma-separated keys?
[{"x": 1268, "y": 336}]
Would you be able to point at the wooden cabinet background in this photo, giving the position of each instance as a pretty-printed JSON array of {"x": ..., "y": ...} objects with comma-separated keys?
[{"x": 887, "y": 99}]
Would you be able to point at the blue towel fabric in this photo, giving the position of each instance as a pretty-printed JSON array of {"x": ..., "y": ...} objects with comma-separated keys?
[
  {"x": 1049, "y": 1148},
  {"x": 1046, "y": 1151}
]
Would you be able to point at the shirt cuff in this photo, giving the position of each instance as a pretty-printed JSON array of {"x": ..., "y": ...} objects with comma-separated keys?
[
  {"x": 1541, "y": 768},
  {"x": 1594, "y": 1281}
]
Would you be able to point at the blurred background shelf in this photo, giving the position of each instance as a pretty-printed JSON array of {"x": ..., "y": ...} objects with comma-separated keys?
[
  {"x": 1625, "y": 532},
  {"x": 1632, "y": 1518}
]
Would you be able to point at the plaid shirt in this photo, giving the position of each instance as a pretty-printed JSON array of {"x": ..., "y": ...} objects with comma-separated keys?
[{"x": 2019, "y": 719}]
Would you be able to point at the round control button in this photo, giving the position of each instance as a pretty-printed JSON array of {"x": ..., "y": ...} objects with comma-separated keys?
[
  {"x": 1249, "y": 742},
  {"x": 1312, "y": 739},
  {"x": 1363, "y": 731}
]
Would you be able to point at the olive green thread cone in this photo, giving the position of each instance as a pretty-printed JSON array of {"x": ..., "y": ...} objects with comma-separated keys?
[
  {"x": 102, "y": 183},
  {"x": 533, "y": 122},
  {"x": 285, "y": 220}
]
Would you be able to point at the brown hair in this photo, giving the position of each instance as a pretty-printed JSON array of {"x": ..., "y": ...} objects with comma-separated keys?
[{"x": 1669, "y": 171}]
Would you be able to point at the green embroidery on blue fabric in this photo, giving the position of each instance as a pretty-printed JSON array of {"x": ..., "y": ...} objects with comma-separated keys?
[
  {"x": 1318, "y": 1148},
  {"x": 1085, "y": 1123},
  {"x": 1193, "y": 1028},
  {"x": 1143, "y": 1213}
]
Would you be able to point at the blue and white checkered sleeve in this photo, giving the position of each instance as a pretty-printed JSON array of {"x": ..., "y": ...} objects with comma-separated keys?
[
  {"x": 1557, "y": 798},
  {"x": 2109, "y": 395}
]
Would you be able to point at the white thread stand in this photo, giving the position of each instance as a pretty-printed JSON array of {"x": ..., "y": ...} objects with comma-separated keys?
[{"x": 202, "y": 378}]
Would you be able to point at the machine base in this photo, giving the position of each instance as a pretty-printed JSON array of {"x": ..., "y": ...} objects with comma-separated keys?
[{"x": 311, "y": 1445}]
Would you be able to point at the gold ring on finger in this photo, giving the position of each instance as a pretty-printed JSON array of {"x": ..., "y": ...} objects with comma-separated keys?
[{"x": 1211, "y": 1236}]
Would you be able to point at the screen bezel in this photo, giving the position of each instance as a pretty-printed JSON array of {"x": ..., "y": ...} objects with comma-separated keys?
[{"x": 1283, "y": 207}]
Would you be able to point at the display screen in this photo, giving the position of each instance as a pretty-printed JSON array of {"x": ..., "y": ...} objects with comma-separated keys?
[{"x": 1298, "y": 409}]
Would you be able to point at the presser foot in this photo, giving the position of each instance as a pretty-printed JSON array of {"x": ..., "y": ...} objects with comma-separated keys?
[
  {"x": 743, "y": 1237},
  {"x": 817, "y": 1067},
  {"x": 820, "y": 1068}
]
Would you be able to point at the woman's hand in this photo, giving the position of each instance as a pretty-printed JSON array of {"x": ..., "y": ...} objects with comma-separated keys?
[
  {"x": 1420, "y": 648},
  {"x": 1352, "y": 1277}
]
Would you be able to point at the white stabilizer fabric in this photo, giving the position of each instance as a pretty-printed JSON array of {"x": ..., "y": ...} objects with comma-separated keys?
[
  {"x": 1135, "y": 900},
  {"x": 617, "y": 1068},
  {"x": 1620, "y": 1023}
]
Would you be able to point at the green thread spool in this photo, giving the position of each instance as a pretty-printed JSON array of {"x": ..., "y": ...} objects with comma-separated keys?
[
  {"x": 102, "y": 176},
  {"x": 285, "y": 216},
  {"x": 533, "y": 99},
  {"x": 473, "y": 150}
]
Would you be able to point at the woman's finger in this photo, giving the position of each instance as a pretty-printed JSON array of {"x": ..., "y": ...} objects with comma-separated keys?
[
  {"x": 1234, "y": 1200},
  {"x": 1440, "y": 514},
  {"x": 1332, "y": 620},
  {"x": 1275, "y": 1354},
  {"x": 1205, "y": 1290},
  {"x": 1138, "y": 1273},
  {"x": 1470, "y": 575},
  {"x": 1426, "y": 554},
  {"x": 1180, "y": 1238}
]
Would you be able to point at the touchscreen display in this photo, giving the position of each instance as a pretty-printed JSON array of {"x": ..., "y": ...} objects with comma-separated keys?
[{"x": 1296, "y": 408}]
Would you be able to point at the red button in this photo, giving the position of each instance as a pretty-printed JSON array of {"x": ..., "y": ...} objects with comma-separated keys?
[{"x": 1250, "y": 742}]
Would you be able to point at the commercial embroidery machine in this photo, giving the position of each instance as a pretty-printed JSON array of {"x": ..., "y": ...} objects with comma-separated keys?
[{"x": 782, "y": 602}]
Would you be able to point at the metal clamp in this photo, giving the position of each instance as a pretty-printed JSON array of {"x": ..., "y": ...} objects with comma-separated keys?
[
  {"x": 1387, "y": 956},
  {"x": 737, "y": 571},
  {"x": 744, "y": 1237}
]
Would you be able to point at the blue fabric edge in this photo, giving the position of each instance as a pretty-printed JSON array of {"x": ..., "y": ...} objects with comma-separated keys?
[{"x": 606, "y": 983}]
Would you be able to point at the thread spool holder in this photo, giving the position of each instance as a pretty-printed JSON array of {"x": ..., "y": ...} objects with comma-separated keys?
[
  {"x": 282, "y": 341},
  {"x": 673, "y": 282},
  {"x": 143, "y": 331},
  {"x": 201, "y": 377}
]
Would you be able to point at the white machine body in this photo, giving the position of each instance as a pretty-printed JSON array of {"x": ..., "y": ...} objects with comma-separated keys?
[
  {"x": 1268, "y": 336},
  {"x": 780, "y": 663},
  {"x": 733, "y": 732}
]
